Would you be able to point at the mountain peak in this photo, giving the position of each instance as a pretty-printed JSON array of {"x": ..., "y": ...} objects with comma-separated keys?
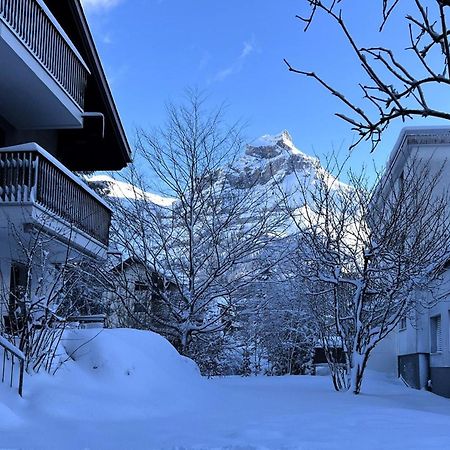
[
  {"x": 268, "y": 140},
  {"x": 270, "y": 146},
  {"x": 270, "y": 159}
]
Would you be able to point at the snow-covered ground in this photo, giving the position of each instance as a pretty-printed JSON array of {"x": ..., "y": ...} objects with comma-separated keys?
[{"x": 129, "y": 389}]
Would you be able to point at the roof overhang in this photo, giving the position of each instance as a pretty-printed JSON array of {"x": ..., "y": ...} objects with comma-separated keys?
[
  {"x": 415, "y": 136},
  {"x": 83, "y": 149}
]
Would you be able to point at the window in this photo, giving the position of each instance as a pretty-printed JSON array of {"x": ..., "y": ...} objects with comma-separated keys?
[
  {"x": 141, "y": 286},
  {"x": 435, "y": 334},
  {"x": 17, "y": 286},
  {"x": 403, "y": 323},
  {"x": 399, "y": 183}
]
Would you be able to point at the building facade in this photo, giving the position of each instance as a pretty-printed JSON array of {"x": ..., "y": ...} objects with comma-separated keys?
[
  {"x": 136, "y": 298},
  {"x": 57, "y": 118},
  {"x": 422, "y": 340}
]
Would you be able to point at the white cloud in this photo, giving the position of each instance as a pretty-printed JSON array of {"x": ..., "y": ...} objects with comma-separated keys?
[
  {"x": 249, "y": 47},
  {"x": 100, "y": 4},
  {"x": 237, "y": 65}
]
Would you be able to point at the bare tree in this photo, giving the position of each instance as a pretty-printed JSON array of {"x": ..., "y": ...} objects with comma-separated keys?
[
  {"x": 397, "y": 84},
  {"x": 200, "y": 245},
  {"x": 368, "y": 255},
  {"x": 40, "y": 298}
]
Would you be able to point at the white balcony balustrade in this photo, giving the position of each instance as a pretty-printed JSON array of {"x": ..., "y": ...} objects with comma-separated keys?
[
  {"x": 36, "y": 49},
  {"x": 31, "y": 176}
]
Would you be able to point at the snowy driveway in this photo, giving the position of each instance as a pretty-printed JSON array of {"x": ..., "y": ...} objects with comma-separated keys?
[{"x": 119, "y": 399}]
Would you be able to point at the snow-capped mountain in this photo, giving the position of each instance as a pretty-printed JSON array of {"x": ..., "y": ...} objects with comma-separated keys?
[
  {"x": 273, "y": 161},
  {"x": 269, "y": 159},
  {"x": 122, "y": 190},
  {"x": 271, "y": 164}
]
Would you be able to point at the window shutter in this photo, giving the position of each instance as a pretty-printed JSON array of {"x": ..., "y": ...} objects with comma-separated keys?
[
  {"x": 438, "y": 334},
  {"x": 435, "y": 334}
]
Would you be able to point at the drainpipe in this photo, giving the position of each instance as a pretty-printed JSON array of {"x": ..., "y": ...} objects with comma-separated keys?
[{"x": 96, "y": 115}]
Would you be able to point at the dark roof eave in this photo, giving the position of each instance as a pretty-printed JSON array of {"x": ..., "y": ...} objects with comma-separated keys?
[{"x": 105, "y": 91}]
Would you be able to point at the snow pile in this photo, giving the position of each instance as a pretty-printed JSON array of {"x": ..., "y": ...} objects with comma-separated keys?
[
  {"x": 111, "y": 379},
  {"x": 9, "y": 409},
  {"x": 123, "y": 364},
  {"x": 122, "y": 353}
]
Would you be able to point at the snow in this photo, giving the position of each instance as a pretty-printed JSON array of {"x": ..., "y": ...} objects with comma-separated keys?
[
  {"x": 128, "y": 389},
  {"x": 272, "y": 163},
  {"x": 269, "y": 140},
  {"x": 120, "y": 189},
  {"x": 12, "y": 348}
]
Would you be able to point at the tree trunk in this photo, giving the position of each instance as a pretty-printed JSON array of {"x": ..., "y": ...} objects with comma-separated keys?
[
  {"x": 359, "y": 363},
  {"x": 185, "y": 341},
  {"x": 340, "y": 376}
]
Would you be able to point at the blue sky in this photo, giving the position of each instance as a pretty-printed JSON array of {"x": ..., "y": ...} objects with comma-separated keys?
[{"x": 153, "y": 49}]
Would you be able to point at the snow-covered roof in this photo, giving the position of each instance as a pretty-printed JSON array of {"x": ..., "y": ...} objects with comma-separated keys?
[{"x": 425, "y": 135}]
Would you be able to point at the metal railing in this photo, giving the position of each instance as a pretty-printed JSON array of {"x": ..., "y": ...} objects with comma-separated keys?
[
  {"x": 38, "y": 30},
  {"x": 12, "y": 358},
  {"x": 88, "y": 321},
  {"x": 28, "y": 174}
]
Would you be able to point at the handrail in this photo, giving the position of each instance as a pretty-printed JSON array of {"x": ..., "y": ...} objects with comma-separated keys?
[
  {"x": 11, "y": 351},
  {"x": 33, "y": 147},
  {"x": 30, "y": 174},
  {"x": 38, "y": 30}
]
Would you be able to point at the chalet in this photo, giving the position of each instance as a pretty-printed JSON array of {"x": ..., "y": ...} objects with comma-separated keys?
[
  {"x": 57, "y": 118},
  {"x": 136, "y": 298}
]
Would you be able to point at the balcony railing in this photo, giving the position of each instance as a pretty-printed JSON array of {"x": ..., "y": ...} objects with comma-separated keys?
[
  {"x": 30, "y": 175},
  {"x": 12, "y": 357},
  {"x": 38, "y": 30}
]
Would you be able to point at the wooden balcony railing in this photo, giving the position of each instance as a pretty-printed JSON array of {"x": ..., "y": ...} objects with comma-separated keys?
[
  {"x": 38, "y": 30},
  {"x": 28, "y": 174}
]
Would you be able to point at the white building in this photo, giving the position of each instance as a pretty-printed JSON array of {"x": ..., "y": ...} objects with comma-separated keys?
[
  {"x": 422, "y": 342},
  {"x": 57, "y": 116}
]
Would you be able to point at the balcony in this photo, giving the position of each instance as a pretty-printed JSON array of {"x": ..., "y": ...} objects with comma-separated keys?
[
  {"x": 43, "y": 77},
  {"x": 37, "y": 190}
]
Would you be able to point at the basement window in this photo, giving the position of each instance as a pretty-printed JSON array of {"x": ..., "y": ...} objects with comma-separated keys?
[{"x": 435, "y": 334}]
